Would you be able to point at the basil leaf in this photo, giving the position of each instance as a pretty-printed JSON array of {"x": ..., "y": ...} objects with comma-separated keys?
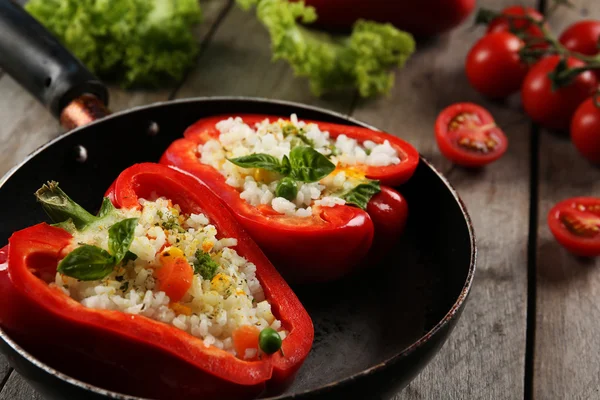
[
  {"x": 361, "y": 194},
  {"x": 286, "y": 167},
  {"x": 287, "y": 188},
  {"x": 308, "y": 165},
  {"x": 120, "y": 236},
  {"x": 87, "y": 263},
  {"x": 106, "y": 208},
  {"x": 258, "y": 160},
  {"x": 205, "y": 265}
]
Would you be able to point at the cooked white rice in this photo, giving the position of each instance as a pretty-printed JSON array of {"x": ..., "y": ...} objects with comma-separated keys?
[
  {"x": 258, "y": 186},
  {"x": 210, "y": 310}
]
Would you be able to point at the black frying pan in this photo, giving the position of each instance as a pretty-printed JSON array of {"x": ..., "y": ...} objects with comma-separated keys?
[{"x": 372, "y": 336}]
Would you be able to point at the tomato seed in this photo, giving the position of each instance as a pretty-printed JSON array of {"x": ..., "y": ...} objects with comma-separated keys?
[
  {"x": 477, "y": 142},
  {"x": 579, "y": 225},
  {"x": 466, "y": 120}
]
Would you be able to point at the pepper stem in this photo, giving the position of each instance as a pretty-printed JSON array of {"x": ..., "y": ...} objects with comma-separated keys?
[{"x": 60, "y": 207}]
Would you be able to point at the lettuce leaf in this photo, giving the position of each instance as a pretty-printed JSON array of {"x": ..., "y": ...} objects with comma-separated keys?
[
  {"x": 363, "y": 60},
  {"x": 135, "y": 42}
]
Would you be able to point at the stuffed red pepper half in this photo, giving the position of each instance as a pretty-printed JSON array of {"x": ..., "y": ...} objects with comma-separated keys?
[
  {"x": 313, "y": 195},
  {"x": 161, "y": 295}
]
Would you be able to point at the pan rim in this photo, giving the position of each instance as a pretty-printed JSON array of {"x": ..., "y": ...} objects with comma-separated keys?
[{"x": 449, "y": 316}]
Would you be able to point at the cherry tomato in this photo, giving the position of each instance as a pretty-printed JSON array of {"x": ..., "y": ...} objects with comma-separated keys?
[
  {"x": 575, "y": 223},
  {"x": 503, "y": 24},
  {"x": 467, "y": 135},
  {"x": 494, "y": 67},
  {"x": 554, "y": 109},
  {"x": 582, "y": 37},
  {"x": 585, "y": 130}
]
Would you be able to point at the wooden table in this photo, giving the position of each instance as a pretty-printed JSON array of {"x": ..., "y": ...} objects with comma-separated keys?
[{"x": 531, "y": 326}]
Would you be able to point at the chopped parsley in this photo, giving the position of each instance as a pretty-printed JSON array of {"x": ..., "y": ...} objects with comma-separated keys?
[
  {"x": 205, "y": 265},
  {"x": 172, "y": 224},
  {"x": 334, "y": 150},
  {"x": 290, "y": 129}
]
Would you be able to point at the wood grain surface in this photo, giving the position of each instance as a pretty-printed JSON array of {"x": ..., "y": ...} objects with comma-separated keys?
[
  {"x": 567, "y": 336},
  {"x": 485, "y": 358}
]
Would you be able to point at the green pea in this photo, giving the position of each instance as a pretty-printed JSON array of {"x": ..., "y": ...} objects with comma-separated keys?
[
  {"x": 269, "y": 340},
  {"x": 287, "y": 188}
]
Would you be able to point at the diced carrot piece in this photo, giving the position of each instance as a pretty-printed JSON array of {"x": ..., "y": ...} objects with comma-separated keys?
[
  {"x": 179, "y": 308},
  {"x": 175, "y": 274},
  {"x": 244, "y": 338}
]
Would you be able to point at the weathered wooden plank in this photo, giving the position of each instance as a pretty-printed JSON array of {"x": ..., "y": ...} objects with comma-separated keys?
[
  {"x": 484, "y": 358},
  {"x": 568, "y": 288},
  {"x": 238, "y": 63},
  {"x": 5, "y": 370},
  {"x": 26, "y": 125},
  {"x": 17, "y": 388}
]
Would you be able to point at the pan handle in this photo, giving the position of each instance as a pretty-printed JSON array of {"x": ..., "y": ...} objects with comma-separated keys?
[{"x": 39, "y": 63}]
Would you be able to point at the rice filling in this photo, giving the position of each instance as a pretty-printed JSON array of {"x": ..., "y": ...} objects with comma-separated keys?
[
  {"x": 224, "y": 294},
  {"x": 260, "y": 186}
]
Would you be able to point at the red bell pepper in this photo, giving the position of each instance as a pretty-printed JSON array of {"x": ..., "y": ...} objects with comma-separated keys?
[
  {"x": 322, "y": 247},
  {"x": 131, "y": 353}
]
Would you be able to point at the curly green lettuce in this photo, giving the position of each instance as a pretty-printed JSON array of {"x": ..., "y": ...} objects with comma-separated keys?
[
  {"x": 364, "y": 60},
  {"x": 135, "y": 42}
]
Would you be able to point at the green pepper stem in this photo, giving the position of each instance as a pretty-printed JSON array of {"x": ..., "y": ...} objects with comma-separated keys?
[{"x": 61, "y": 208}]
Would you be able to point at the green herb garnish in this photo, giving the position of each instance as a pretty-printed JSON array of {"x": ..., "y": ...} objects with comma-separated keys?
[
  {"x": 205, "y": 265},
  {"x": 87, "y": 262},
  {"x": 263, "y": 161},
  {"x": 90, "y": 263},
  {"x": 304, "y": 164},
  {"x": 291, "y": 129},
  {"x": 120, "y": 236},
  {"x": 308, "y": 165},
  {"x": 172, "y": 223},
  {"x": 361, "y": 194}
]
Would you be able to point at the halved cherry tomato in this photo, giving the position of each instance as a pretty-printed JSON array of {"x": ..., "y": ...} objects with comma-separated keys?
[
  {"x": 550, "y": 108},
  {"x": 575, "y": 223},
  {"x": 519, "y": 24},
  {"x": 493, "y": 65},
  {"x": 175, "y": 274},
  {"x": 467, "y": 135},
  {"x": 585, "y": 130}
]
